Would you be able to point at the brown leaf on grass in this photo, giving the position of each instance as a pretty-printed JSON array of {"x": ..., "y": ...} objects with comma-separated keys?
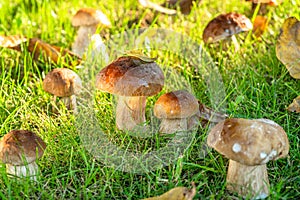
[
  {"x": 40, "y": 49},
  {"x": 178, "y": 193},
  {"x": 259, "y": 25},
  {"x": 288, "y": 46},
  {"x": 295, "y": 105}
]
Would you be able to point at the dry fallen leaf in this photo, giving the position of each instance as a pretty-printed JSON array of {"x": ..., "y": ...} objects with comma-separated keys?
[
  {"x": 156, "y": 7},
  {"x": 39, "y": 48},
  {"x": 295, "y": 106},
  {"x": 259, "y": 25},
  {"x": 178, "y": 193},
  {"x": 288, "y": 46},
  {"x": 12, "y": 42}
]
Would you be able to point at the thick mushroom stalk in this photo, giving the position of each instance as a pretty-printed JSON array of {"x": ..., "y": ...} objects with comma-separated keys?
[
  {"x": 175, "y": 110},
  {"x": 30, "y": 170},
  {"x": 245, "y": 179},
  {"x": 249, "y": 144},
  {"x": 82, "y": 39},
  {"x": 130, "y": 112}
]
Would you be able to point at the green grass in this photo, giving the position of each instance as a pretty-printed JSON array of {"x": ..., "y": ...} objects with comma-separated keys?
[{"x": 256, "y": 85}]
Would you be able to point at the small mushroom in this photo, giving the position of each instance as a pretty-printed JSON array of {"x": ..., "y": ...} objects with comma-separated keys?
[
  {"x": 288, "y": 46},
  {"x": 65, "y": 83},
  {"x": 88, "y": 20},
  {"x": 249, "y": 144},
  {"x": 19, "y": 150},
  {"x": 226, "y": 26},
  {"x": 132, "y": 79},
  {"x": 175, "y": 109}
]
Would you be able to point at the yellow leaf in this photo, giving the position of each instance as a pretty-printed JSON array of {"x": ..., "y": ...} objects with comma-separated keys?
[
  {"x": 295, "y": 106},
  {"x": 288, "y": 46},
  {"x": 178, "y": 193}
]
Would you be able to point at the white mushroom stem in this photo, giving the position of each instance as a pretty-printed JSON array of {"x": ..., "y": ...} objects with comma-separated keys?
[
  {"x": 130, "y": 112},
  {"x": 30, "y": 170},
  {"x": 70, "y": 102},
  {"x": 82, "y": 39},
  {"x": 235, "y": 43},
  {"x": 248, "y": 181},
  {"x": 170, "y": 126}
]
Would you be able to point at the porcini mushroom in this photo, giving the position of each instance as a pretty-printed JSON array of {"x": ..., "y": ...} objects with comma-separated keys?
[
  {"x": 249, "y": 144},
  {"x": 226, "y": 26},
  {"x": 19, "y": 150},
  {"x": 263, "y": 5},
  {"x": 88, "y": 20},
  {"x": 175, "y": 108},
  {"x": 132, "y": 79},
  {"x": 65, "y": 83}
]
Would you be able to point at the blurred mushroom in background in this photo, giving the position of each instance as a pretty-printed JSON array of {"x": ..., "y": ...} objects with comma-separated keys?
[
  {"x": 249, "y": 144},
  {"x": 263, "y": 5},
  {"x": 19, "y": 150},
  {"x": 226, "y": 26},
  {"x": 184, "y": 5},
  {"x": 88, "y": 20},
  {"x": 65, "y": 83}
]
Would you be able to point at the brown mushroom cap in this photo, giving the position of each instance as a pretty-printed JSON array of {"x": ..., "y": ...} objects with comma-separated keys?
[
  {"x": 249, "y": 142},
  {"x": 130, "y": 76},
  {"x": 177, "y": 104},
  {"x": 89, "y": 16},
  {"x": 18, "y": 145},
  {"x": 224, "y": 26},
  {"x": 62, "y": 82}
]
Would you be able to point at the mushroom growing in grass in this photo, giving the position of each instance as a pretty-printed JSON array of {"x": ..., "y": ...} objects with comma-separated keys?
[
  {"x": 65, "y": 83},
  {"x": 249, "y": 144},
  {"x": 174, "y": 109},
  {"x": 132, "y": 79},
  {"x": 226, "y": 26},
  {"x": 88, "y": 20},
  {"x": 19, "y": 150}
]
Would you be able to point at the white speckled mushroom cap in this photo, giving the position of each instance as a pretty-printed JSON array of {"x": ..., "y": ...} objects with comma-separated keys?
[
  {"x": 249, "y": 142},
  {"x": 90, "y": 16},
  {"x": 62, "y": 82},
  {"x": 20, "y": 146},
  {"x": 224, "y": 26},
  {"x": 176, "y": 104},
  {"x": 130, "y": 76}
]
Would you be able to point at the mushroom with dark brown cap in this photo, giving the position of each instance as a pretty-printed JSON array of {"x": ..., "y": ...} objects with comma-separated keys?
[
  {"x": 19, "y": 150},
  {"x": 175, "y": 108},
  {"x": 88, "y": 20},
  {"x": 65, "y": 83},
  {"x": 226, "y": 26},
  {"x": 132, "y": 79},
  {"x": 249, "y": 144}
]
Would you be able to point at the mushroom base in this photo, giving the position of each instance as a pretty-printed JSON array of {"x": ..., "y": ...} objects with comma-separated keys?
[
  {"x": 130, "y": 112},
  {"x": 30, "y": 170},
  {"x": 169, "y": 126},
  {"x": 248, "y": 181}
]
